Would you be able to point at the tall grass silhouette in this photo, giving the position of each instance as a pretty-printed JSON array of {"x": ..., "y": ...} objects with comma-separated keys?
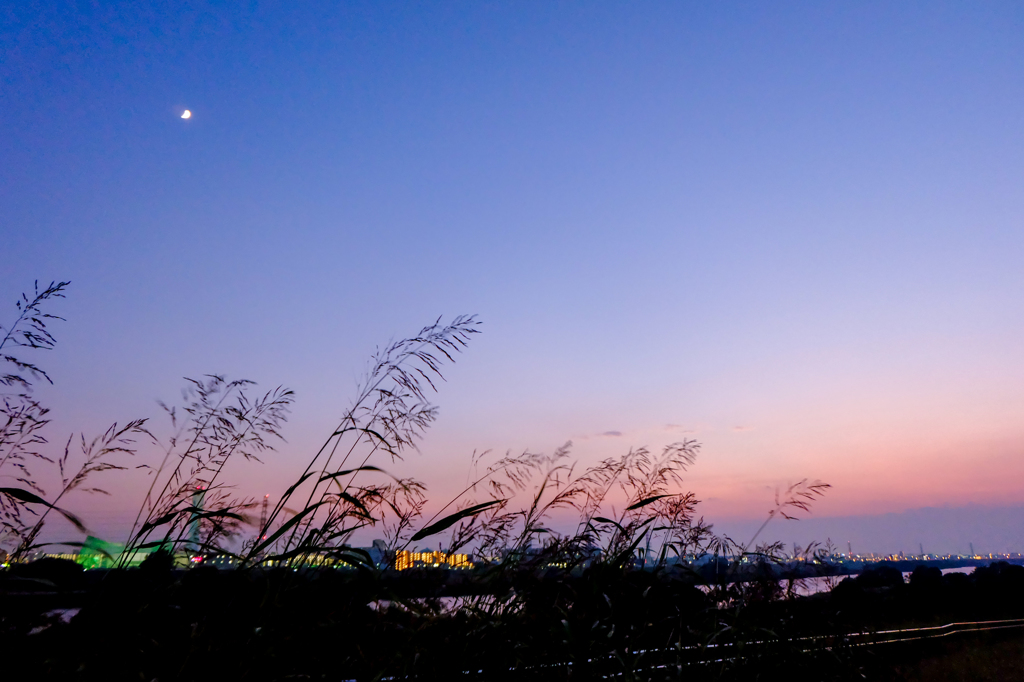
[
  {"x": 635, "y": 580},
  {"x": 23, "y": 506}
]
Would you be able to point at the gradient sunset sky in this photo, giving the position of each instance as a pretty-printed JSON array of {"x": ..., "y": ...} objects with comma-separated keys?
[{"x": 791, "y": 231}]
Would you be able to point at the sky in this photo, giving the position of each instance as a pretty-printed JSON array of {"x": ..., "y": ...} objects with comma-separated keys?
[{"x": 792, "y": 232}]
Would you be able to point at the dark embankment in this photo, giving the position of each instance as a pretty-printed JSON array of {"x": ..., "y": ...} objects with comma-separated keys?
[{"x": 205, "y": 624}]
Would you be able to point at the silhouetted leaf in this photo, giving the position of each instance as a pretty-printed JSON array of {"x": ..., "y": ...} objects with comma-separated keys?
[
  {"x": 24, "y": 496},
  {"x": 284, "y": 527},
  {"x": 645, "y": 502},
  {"x": 451, "y": 520},
  {"x": 601, "y": 519},
  {"x": 32, "y": 498},
  {"x": 159, "y": 522},
  {"x": 346, "y": 472}
]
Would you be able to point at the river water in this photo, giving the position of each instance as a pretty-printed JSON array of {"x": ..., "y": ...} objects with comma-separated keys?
[{"x": 809, "y": 586}]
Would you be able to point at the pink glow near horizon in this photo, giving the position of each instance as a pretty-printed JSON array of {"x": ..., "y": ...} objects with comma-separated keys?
[{"x": 792, "y": 234}]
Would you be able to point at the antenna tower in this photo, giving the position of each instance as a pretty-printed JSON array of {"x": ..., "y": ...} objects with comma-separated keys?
[{"x": 263, "y": 517}]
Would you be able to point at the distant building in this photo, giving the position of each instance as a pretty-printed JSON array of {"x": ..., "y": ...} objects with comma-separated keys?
[
  {"x": 405, "y": 559},
  {"x": 97, "y": 553}
]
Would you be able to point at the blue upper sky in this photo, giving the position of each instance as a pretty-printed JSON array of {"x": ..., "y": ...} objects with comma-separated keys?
[{"x": 793, "y": 230}]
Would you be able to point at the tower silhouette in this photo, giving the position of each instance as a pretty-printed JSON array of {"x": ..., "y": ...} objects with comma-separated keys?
[
  {"x": 198, "y": 497},
  {"x": 263, "y": 518}
]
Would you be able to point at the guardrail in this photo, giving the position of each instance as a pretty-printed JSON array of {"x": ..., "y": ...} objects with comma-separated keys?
[{"x": 703, "y": 654}]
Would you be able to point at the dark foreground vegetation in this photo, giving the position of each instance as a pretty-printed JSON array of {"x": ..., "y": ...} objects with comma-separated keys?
[
  {"x": 158, "y": 623},
  {"x": 617, "y": 596}
]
